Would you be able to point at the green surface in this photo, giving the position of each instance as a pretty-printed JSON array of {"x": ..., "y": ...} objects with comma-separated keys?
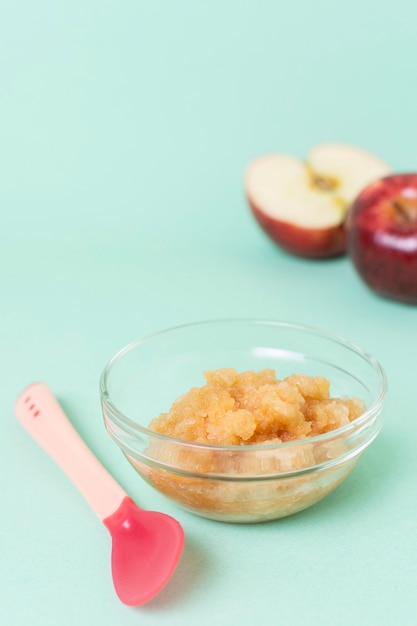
[{"x": 125, "y": 131}]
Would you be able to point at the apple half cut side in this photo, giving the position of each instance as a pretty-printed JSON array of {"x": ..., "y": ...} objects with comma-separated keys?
[
  {"x": 382, "y": 236},
  {"x": 302, "y": 206}
]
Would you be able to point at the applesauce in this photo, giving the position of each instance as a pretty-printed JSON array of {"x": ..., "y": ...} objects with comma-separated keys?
[
  {"x": 247, "y": 408},
  {"x": 230, "y": 464}
]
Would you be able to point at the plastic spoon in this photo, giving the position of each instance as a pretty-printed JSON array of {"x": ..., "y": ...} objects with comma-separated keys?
[{"x": 146, "y": 545}]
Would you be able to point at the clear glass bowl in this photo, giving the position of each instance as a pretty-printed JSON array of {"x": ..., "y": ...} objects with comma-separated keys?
[{"x": 238, "y": 483}]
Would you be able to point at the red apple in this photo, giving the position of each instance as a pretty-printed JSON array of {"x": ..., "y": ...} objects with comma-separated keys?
[
  {"x": 382, "y": 236},
  {"x": 302, "y": 206}
]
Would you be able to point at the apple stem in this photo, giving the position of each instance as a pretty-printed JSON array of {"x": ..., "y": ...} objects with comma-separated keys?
[{"x": 406, "y": 212}]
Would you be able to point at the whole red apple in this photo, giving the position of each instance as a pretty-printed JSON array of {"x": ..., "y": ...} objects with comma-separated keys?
[
  {"x": 382, "y": 236},
  {"x": 302, "y": 205}
]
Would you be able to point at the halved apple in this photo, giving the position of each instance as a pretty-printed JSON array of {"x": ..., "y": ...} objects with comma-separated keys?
[{"x": 302, "y": 206}]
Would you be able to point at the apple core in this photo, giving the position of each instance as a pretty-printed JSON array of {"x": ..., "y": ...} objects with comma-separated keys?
[{"x": 323, "y": 183}]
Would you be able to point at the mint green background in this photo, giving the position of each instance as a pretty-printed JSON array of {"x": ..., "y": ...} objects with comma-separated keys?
[{"x": 125, "y": 131}]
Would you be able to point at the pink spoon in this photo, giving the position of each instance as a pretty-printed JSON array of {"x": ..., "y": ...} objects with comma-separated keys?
[{"x": 146, "y": 545}]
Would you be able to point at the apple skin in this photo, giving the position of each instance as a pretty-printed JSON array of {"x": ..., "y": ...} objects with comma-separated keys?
[
  {"x": 382, "y": 241},
  {"x": 313, "y": 243}
]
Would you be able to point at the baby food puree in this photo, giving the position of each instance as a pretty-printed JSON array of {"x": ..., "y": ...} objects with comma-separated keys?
[{"x": 249, "y": 408}]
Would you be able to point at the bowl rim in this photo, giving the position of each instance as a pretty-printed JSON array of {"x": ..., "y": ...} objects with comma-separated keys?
[{"x": 124, "y": 421}]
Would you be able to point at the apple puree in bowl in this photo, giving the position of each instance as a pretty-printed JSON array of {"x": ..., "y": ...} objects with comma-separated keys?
[
  {"x": 250, "y": 444},
  {"x": 250, "y": 408},
  {"x": 239, "y": 446}
]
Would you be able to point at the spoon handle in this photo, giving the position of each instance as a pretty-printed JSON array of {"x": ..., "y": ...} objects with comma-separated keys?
[{"x": 41, "y": 415}]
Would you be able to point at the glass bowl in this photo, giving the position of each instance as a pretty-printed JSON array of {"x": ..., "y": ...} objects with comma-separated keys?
[{"x": 246, "y": 483}]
